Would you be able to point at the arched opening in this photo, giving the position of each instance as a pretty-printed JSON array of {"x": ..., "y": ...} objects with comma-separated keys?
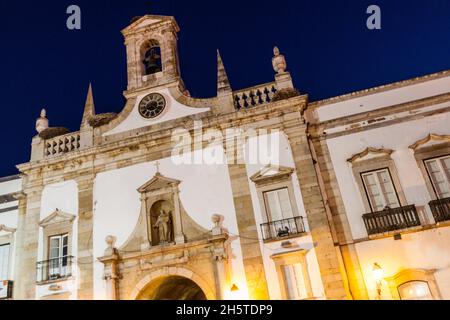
[
  {"x": 172, "y": 288},
  {"x": 151, "y": 57}
]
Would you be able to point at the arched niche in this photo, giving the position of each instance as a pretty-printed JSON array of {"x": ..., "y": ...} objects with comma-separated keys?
[{"x": 160, "y": 218}]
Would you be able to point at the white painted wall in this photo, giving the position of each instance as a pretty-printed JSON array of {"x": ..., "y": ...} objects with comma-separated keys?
[
  {"x": 384, "y": 99},
  {"x": 205, "y": 190},
  {"x": 174, "y": 110},
  {"x": 269, "y": 249}
]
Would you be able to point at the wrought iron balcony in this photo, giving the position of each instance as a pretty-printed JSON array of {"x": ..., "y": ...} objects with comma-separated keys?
[
  {"x": 282, "y": 228},
  {"x": 54, "y": 269},
  {"x": 6, "y": 290},
  {"x": 391, "y": 220},
  {"x": 441, "y": 209}
]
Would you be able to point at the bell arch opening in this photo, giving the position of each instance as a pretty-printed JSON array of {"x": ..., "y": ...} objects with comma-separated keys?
[
  {"x": 172, "y": 288},
  {"x": 151, "y": 57}
]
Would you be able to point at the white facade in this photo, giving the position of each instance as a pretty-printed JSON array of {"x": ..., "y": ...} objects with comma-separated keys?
[{"x": 108, "y": 213}]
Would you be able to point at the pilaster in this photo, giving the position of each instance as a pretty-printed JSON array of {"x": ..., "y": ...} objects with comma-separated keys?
[
  {"x": 245, "y": 216},
  {"x": 343, "y": 232},
  {"x": 320, "y": 226},
  {"x": 27, "y": 244},
  {"x": 84, "y": 257}
]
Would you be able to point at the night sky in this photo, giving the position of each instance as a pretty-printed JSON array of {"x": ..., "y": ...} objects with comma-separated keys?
[{"x": 328, "y": 47}]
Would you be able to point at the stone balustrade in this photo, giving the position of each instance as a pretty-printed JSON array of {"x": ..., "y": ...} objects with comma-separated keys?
[
  {"x": 255, "y": 96},
  {"x": 62, "y": 144}
]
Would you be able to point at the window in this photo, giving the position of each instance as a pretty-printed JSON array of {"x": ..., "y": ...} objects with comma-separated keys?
[
  {"x": 4, "y": 261},
  {"x": 294, "y": 281},
  {"x": 278, "y": 205},
  {"x": 415, "y": 290},
  {"x": 380, "y": 190},
  {"x": 439, "y": 172},
  {"x": 58, "y": 256}
]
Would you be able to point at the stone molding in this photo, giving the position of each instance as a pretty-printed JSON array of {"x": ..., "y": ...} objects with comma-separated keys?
[
  {"x": 430, "y": 138},
  {"x": 370, "y": 151},
  {"x": 57, "y": 217},
  {"x": 6, "y": 229}
]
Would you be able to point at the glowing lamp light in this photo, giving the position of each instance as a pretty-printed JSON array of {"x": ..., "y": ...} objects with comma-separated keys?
[
  {"x": 235, "y": 293},
  {"x": 378, "y": 272}
]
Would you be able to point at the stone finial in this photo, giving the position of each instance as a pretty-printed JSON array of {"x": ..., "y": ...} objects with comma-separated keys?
[
  {"x": 223, "y": 84},
  {"x": 89, "y": 108},
  {"x": 278, "y": 61},
  {"x": 110, "y": 242},
  {"x": 42, "y": 122}
]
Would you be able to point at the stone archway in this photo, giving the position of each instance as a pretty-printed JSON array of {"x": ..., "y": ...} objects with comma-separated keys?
[
  {"x": 172, "y": 288},
  {"x": 166, "y": 273}
]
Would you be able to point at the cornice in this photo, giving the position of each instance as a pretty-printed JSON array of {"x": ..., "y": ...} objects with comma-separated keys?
[
  {"x": 379, "y": 89},
  {"x": 253, "y": 117}
]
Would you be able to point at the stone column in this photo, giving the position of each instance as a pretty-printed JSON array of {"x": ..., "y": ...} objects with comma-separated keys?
[
  {"x": 84, "y": 258},
  {"x": 319, "y": 224},
  {"x": 245, "y": 216},
  {"x": 27, "y": 244}
]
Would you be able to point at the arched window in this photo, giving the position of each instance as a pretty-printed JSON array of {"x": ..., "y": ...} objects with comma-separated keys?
[
  {"x": 151, "y": 55},
  {"x": 415, "y": 290},
  {"x": 414, "y": 284}
]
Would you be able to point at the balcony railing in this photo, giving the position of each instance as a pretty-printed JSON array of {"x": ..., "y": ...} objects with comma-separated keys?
[
  {"x": 282, "y": 228},
  {"x": 391, "y": 220},
  {"x": 54, "y": 269},
  {"x": 6, "y": 289},
  {"x": 441, "y": 209}
]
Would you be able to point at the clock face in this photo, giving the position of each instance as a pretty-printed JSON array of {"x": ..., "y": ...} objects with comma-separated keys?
[{"x": 152, "y": 106}]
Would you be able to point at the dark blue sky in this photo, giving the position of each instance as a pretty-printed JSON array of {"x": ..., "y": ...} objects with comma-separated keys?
[{"x": 327, "y": 45}]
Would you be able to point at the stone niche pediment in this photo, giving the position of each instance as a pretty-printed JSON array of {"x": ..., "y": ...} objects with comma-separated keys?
[
  {"x": 160, "y": 197},
  {"x": 57, "y": 217},
  {"x": 158, "y": 183}
]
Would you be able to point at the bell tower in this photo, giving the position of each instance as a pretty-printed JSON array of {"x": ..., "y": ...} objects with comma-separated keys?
[{"x": 152, "y": 53}]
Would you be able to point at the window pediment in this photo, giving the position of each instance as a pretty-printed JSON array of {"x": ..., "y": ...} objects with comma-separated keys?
[
  {"x": 430, "y": 140},
  {"x": 57, "y": 217},
  {"x": 158, "y": 182},
  {"x": 370, "y": 153},
  {"x": 4, "y": 228},
  {"x": 271, "y": 173}
]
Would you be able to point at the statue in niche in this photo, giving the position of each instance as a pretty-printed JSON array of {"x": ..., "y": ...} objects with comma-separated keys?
[
  {"x": 163, "y": 225},
  {"x": 152, "y": 61}
]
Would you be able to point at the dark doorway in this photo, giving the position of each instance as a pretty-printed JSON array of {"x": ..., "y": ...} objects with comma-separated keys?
[{"x": 172, "y": 288}]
